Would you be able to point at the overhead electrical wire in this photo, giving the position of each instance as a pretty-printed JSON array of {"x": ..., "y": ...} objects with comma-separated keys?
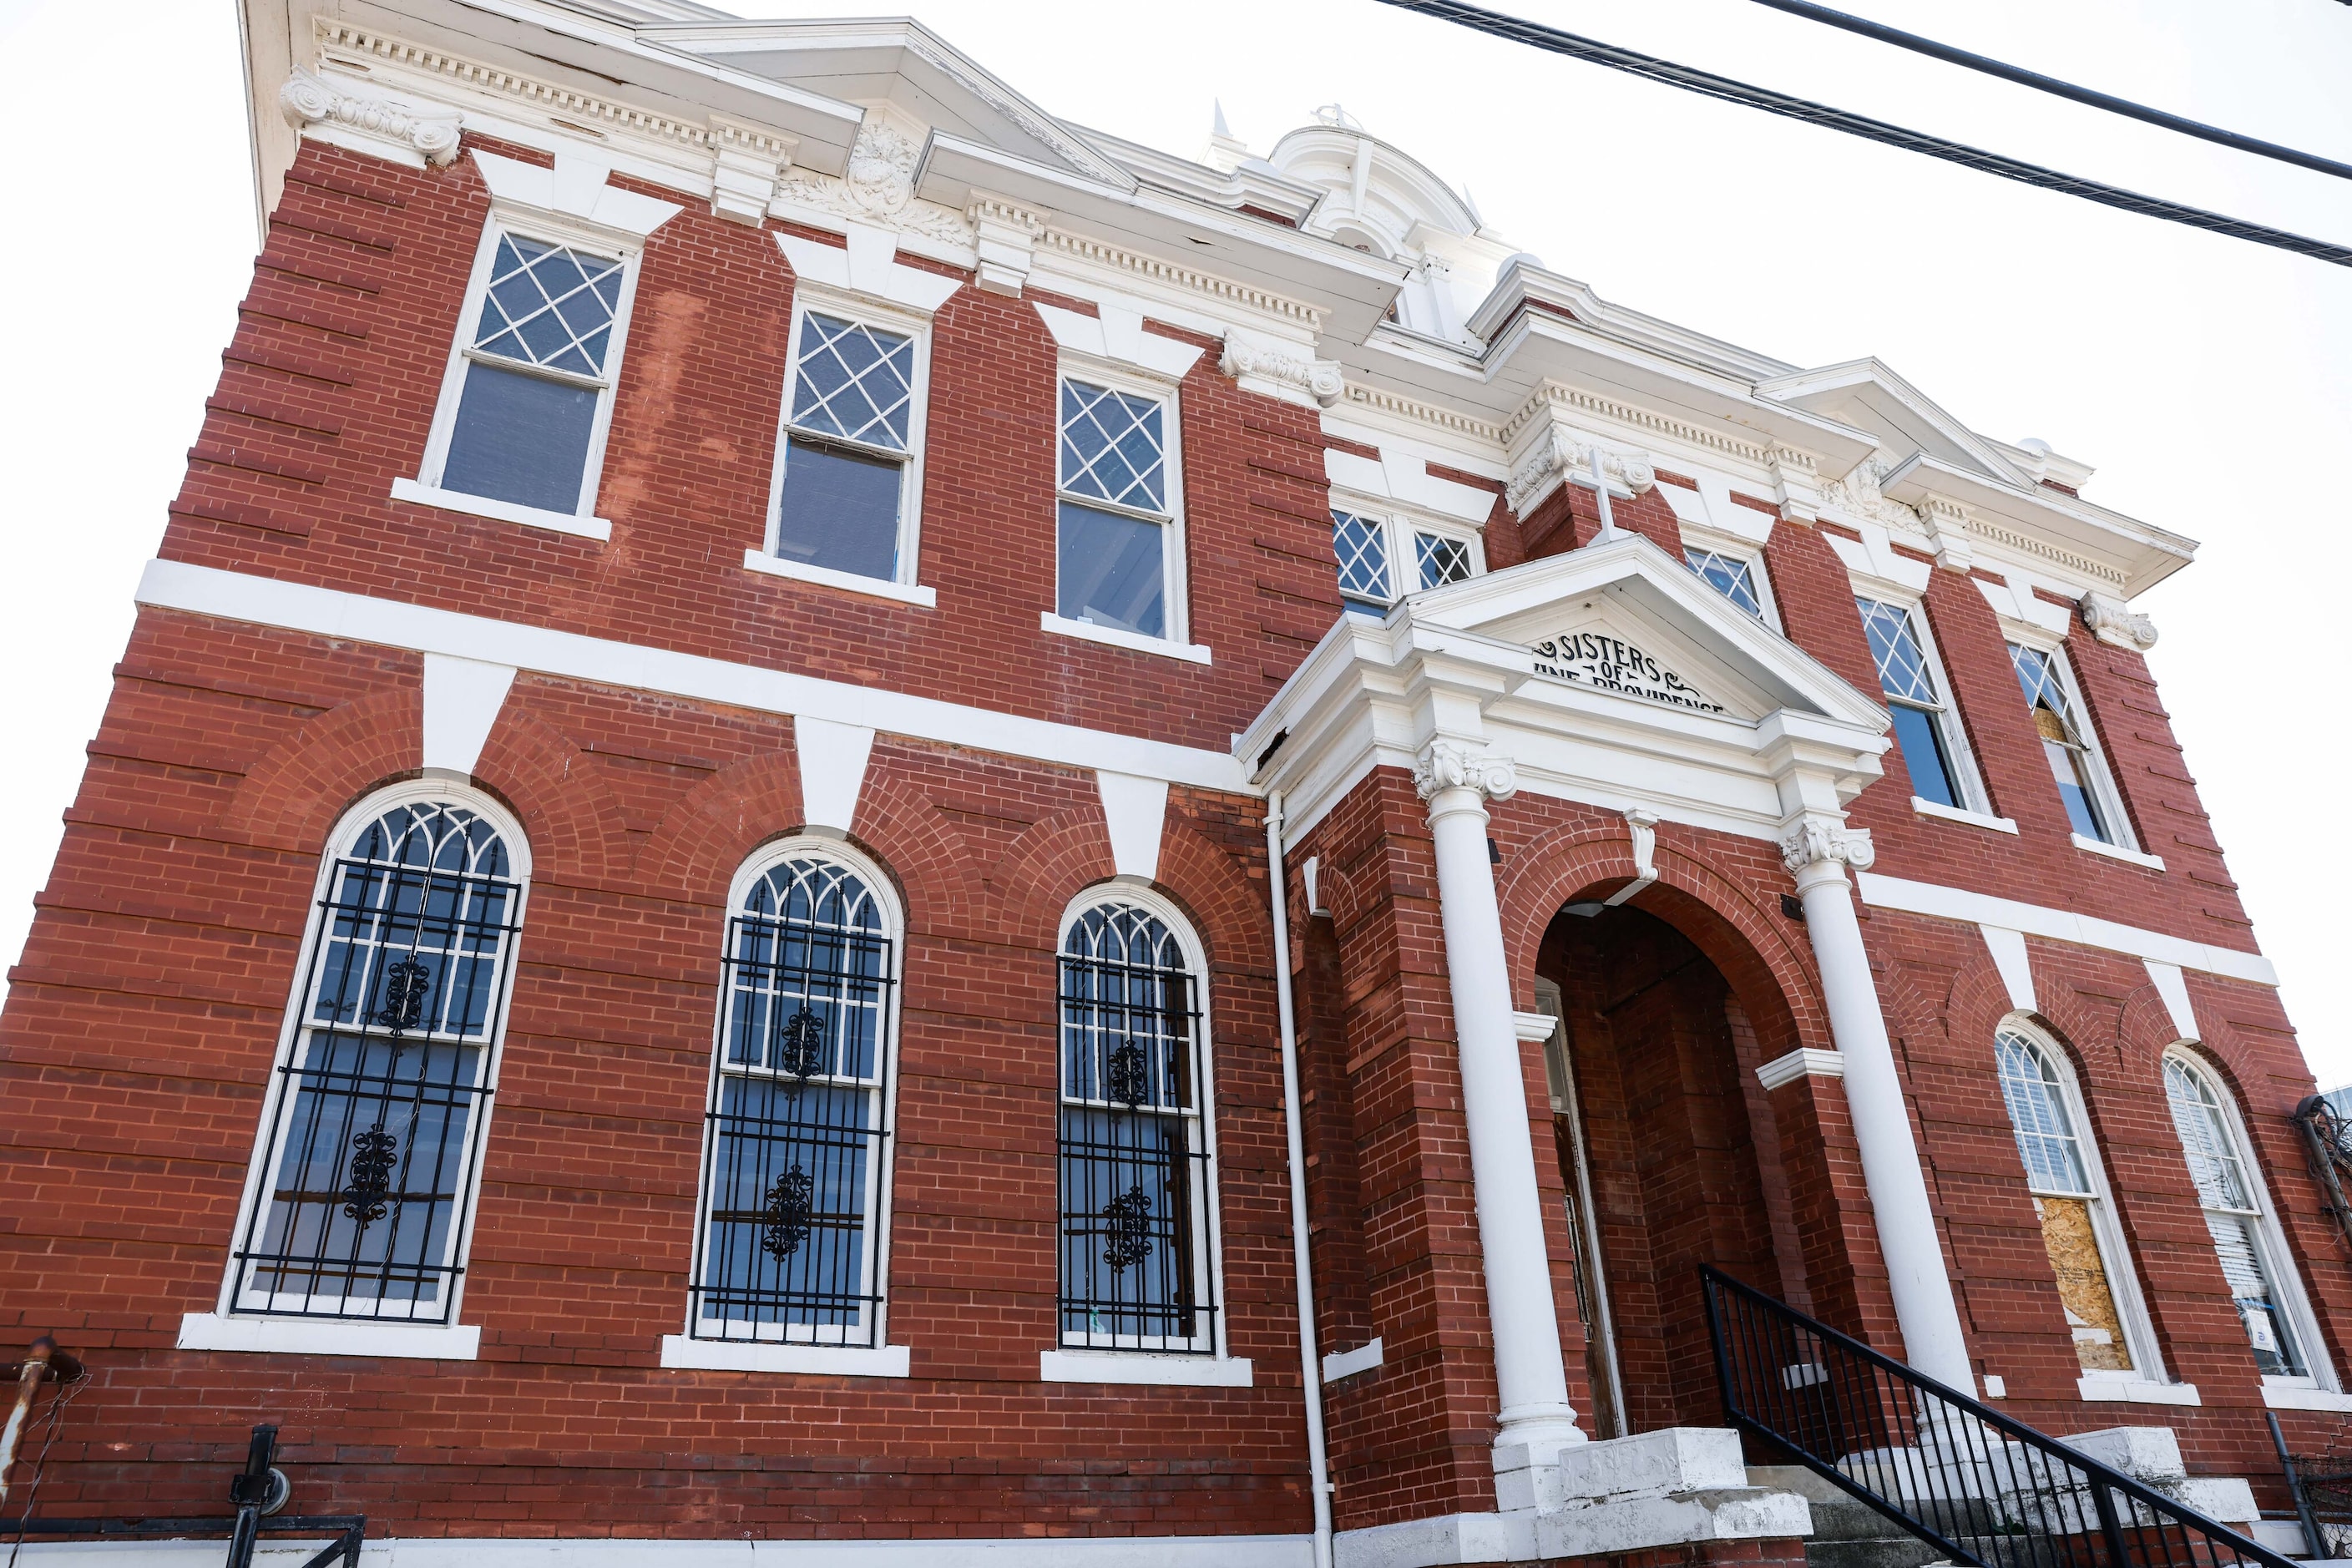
[
  {"x": 1707, "y": 84},
  {"x": 2066, "y": 90}
]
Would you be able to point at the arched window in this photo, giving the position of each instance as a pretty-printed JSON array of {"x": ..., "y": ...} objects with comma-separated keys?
[
  {"x": 368, "y": 1153},
  {"x": 2268, "y": 1299},
  {"x": 1137, "y": 1177},
  {"x": 795, "y": 1166},
  {"x": 2078, "y": 1230}
]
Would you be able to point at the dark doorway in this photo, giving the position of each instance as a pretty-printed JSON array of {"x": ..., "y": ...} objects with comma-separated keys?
[{"x": 1668, "y": 1153}]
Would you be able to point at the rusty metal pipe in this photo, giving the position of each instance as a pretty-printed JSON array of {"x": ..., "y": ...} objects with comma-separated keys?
[{"x": 30, "y": 1377}]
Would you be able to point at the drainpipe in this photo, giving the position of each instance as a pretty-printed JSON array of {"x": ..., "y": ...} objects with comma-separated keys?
[{"x": 1310, "y": 1365}]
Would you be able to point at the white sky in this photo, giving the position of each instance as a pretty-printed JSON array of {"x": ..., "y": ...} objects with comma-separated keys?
[{"x": 2206, "y": 379}]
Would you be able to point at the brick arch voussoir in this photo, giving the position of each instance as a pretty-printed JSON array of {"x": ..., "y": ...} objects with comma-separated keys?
[
  {"x": 1909, "y": 1011},
  {"x": 291, "y": 796},
  {"x": 2143, "y": 1029},
  {"x": 1977, "y": 1000},
  {"x": 1228, "y": 905},
  {"x": 577, "y": 834},
  {"x": 924, "y": 852},
  {"x": 702, "y": 840},
  {"x": 2088, "y": 1031},
  {"x": 1041, "y": 870}
]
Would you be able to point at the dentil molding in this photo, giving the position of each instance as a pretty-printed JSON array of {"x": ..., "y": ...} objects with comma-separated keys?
[
  {"x": 1442, "y": 765},
  {"x": 2116, "y": 623},
  {"x": 1280, "y": 370},
  {"x": 415, "y": 136},
  {"x": 1560, "y": 451},
  {"x": 1813, "y": 843}
]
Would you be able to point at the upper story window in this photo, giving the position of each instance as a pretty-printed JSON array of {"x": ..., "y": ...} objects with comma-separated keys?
[
  {"x": 789, "y": 1248},
  {"x": 1442, "y": 559},
  {"x": 1138, "y": 1176},
  {"x": 2068, "y": 744},
  {"x": 1925, "y": 727},
  {"x": 1362, "y": 546},
  {"x": 368, "y": 1153},
  {"x": 848, "y": 479},
  {"x": 528, "y": 398},
  {"x": 1368, "y": 546},
  {"x": 1119, "y": 556},
  {"x": 2238, "y": 1219},
  {"x": 2078, "y": 1229},
  {"x": 1737, "y": 578}
]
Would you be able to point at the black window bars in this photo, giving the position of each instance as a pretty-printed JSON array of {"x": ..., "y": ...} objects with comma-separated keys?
[
  {"x": 1135, "y": 1209},
  {"x": 1984, "y": 1489},
  {"x": 795, "y": 1151},
  {"x": 377, "y": 1118}
]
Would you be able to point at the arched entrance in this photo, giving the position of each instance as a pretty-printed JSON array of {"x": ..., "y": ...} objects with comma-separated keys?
[{"x": 1667, "y": 1149}]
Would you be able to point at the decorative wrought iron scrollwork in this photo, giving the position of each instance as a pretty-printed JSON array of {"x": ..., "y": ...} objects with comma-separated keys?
[
  {"x": 785, "y": 1219},
  {"x": 2327, "y": 1142},
  {"x": 407, "y": 982},
  {"x": 1129, "y": 1228},
  {"x": 1128, "y": 1079},
  {"x": 800, "y": 1045},
  {"x": 373, "y": 1155}
]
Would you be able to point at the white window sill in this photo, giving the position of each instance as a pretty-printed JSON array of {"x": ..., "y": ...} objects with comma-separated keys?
[
  {"x": 2280, "y": 1396},
  {"x": 1140, "y": 1367},
  {"x": 835, "y": 1360},
  {"x": 504, "y": 510},
  {"x": 1953, "y": 813},
  {"x": 905, "y": 593},
  {"x": 326, "y": 1336},
  {"x": 1194, "y": 652},
  {"x": 2117, "y": 852},
  {"x": 2098, "y": 1389}
]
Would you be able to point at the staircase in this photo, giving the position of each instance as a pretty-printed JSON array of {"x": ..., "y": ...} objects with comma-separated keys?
[{"x": 1904, "y": 1471}]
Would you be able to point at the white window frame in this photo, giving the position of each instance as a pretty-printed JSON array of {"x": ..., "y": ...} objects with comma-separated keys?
[
  {"x": 226, "y": 1328},
  {"x": 1144, "y": 1362},
  {"x": 547, "y": 228},
  {"x": 1176, "y": 638},
  {"x": 1946, "y": 717},
  {"x": 905, "y": 585},
  {"x": 1398, "y": 525},
  {"x": 816, "y": 1353},
  {"x": 2103, "y": 778},
  {"x": 1746, "y": 551},
  {"x": 2106, "y": 1225},
  {"x": 2286, "y": 1274}
]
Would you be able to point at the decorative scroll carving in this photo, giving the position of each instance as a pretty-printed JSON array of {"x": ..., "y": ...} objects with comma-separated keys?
[
  {"x": 307, "y": 100},
  {"x": 1442, "y": 765},
  {"x": 1813, "y": 842},
  {"x": 1857, "y": 495},
  {"x": 1560, "y": 455},
  {"x": 878, "y": 187},
  {"x": 1249, "y": 357},
  {"x": 2114, "y": 622}
]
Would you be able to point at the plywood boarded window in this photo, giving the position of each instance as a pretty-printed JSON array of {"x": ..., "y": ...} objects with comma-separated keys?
[{"x": 2059, "y": 1173}]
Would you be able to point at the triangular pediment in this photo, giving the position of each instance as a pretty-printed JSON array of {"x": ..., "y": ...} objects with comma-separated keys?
[
  {"x": 1625, "y": 618},
  {"x": 1869, "y": 397}
]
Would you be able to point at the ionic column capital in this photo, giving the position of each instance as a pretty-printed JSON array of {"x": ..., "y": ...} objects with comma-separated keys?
[
  {"x": 1824, "y": 848},
  {"x": 1443, "y": 765}
]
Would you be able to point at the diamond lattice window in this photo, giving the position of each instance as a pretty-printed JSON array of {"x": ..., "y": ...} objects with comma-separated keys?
[
  {"x": 1930, "y": 751},
  {"x": 549, "y": 305},
  {"x": 1113, "y": 447},
  {"x": 1895, "y": 646},
  {"x": 855, "y": 383},
  {"x": 1361, "y": 545},
  {"x": 1441, "y": 560},
  {"x": 2065, "y": 743},
  {"x": 1728, "y": 575},
  {"x": 1113, "y": 532},
  {"x": 841, "y": 499}
]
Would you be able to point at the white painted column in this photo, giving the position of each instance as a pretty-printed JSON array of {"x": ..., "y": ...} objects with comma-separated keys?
[
  {"x": 1818, "y": 853},
  {"x": 1536, "y": 1419}
]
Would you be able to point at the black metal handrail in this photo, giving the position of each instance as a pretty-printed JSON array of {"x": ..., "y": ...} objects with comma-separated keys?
[
  {"x": 1982, "y": 1487},
  {"x": 348, "y": 1531}
]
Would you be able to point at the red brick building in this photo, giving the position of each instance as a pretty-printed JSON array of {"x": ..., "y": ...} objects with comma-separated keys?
[{"x": 783, "y": 690}]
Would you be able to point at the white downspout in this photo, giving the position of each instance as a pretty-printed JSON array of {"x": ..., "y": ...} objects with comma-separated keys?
[{"x": 1310, "y": 1363}]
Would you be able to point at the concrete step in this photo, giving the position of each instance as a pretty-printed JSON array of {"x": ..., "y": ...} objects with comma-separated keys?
[{"x": 1881, "y": 1552}]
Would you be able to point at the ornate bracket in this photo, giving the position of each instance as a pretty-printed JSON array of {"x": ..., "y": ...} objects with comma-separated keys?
[
  {"x": 746, "y": 163},
  {"x": 1814, "y": 843},
  {"x": 1443, "y": 765},
  {"x": 1563, "y": 455},
  {"x": 2117, "y": 623},
  {"x": 1946, "y": 523},
  {"x": 1006, "y": 235},
  {"x": 410, "y": 133},
  {"x": 1280, "y": 370}
]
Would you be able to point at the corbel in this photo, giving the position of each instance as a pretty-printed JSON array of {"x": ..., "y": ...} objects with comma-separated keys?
[
  {"x": 747, "y": 161},
  {"x": 1947, "y": 522},
  {"x": 1006, "y": 237},
  {"x": 1796, "y": 484}
]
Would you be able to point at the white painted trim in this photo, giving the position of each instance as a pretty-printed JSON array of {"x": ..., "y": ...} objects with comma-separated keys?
[
  {"x": 1348, "y": 1363},
  {"x": 1118, "y": 637},
  {"x": 905, "y": 593},
  {"x": 2280, "y": 1396},
  {"x": 503, "y": 511},
  {"x": 462, "y": 698},
  {"x": 2098, "y": 1389},
  {"x": 1133, "y": 379},
  {"x": 2016, "y": 966},
  {"x": 1803, "y": 1062},
  {"x": 2062, "y": 925},
  {"x": 833, "y": 758},
  {"x": 583, "y": 1551},
  {"x": 1135, "y": 812},
  {"x": 1115, "y": 336},
  {"x": 2116, "y": 852},
  {"x": 2174, "y": 990},
  {"x": 339, "y": 1336},
  {"x": 1926, "y": 808},
  {"x": 830, "y": 1360},
  {"x": 1136, "y": 1367},
  {"x": 1533, "y": 1028},
  {"x": 575, "y": 188},
  {"x": 1445, "y": 1539},
  {"x": 327, "y": 612},
  {"x": 867, "y": 265}
]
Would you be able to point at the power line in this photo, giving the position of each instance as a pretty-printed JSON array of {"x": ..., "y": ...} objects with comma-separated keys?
[
  {"x": 1707, "y": 84},
  {"x": 2050, "y": 84}
]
